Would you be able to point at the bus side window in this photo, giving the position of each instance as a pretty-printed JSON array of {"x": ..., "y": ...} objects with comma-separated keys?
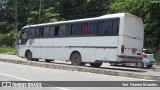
[
  {"x": 62, "y": 30},
  {"x": 101, "y": 27},
  {"x": 56, "y": 30},
  {"x": 76, "y": 29},
  {"x": 38, "y": 33},
  {"x": 92, "y": 28},
  {"x": 32, "y": 33},
  {"x": 41, "y": 32},
  {"x": 46, "y": 31},
  {"x": 115, "y": 27},
  {"x": 85, "y": 29},
  {"x": 52, "y": 31},
  {"x": 68, "y": 30},
  {"x": 108, "y": 28}
]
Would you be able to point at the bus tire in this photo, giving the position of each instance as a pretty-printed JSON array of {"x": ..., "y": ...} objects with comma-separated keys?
[
  {"x": 48, "y": 60},
  {"x": 76, "y": 59},
  {"x": 96, "y": 65},
  {"x": 29, "y": 56},
  {"x": 113, "y": 64},
  {"x": 35, "y": 59}
]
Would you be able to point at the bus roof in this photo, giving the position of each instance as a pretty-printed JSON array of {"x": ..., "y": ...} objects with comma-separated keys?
[{"x": 81, "y": 20}]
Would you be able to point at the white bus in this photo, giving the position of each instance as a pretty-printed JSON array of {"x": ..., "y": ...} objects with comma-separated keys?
[{"x": 113, "y": 38}]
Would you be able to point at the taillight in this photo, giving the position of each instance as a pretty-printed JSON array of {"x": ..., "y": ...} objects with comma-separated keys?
[
  {"x": 122, "y": 49},
  {"x": 144, "y": 55}
]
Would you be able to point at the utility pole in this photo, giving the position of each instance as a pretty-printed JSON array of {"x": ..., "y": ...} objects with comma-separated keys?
[
  {"x": 39, "y": 18},
  {"x": 16, "y": 30}
]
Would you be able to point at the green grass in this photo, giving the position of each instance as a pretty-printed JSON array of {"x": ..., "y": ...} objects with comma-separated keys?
[{"x": 7, "y": 50}]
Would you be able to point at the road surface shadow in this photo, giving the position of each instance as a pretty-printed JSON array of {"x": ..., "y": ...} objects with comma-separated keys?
[
  {"x": 118, "y": 67},
  {"x": 121, "y": 69},
  {"x": 131, "y": 69}
]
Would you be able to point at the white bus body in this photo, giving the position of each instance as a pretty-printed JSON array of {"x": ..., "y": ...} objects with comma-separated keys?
[{"x": 126, "y": 46}]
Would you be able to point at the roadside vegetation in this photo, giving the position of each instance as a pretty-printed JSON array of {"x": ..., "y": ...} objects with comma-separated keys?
[
  {"x": 158, "y": 60},
  {"x": 7, "y": 50}
]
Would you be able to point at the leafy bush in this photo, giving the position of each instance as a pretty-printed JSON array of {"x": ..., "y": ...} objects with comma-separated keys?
[
  {"x": 7, "y": 50},
  {"x": 7, "y": 39},
  {"x": 158, "y": 59}
]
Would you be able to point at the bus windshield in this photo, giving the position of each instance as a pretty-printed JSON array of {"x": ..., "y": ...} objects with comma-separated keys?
[{"x": 24, "y": 34}]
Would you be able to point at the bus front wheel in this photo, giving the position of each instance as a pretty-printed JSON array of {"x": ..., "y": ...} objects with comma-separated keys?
[
  {"x": 76, "y": 59},
  {"x": 29, "y": 55}
]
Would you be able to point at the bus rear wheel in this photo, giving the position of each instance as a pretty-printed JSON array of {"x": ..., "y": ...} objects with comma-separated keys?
[
  {"x": 29, "y": 55},
  {"x": 96, "y": 65},
  {"x": 76, "y": 59}
]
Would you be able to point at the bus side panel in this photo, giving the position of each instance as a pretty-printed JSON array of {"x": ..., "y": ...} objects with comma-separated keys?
[
  {"x": 103, "y": 54},
  {"x": 21, "y": 51},
  {"x": 103, "y": 41},
  {"x": 36, "y": 52},
  {"x": 42, "y": 48},
  {"x": 70, "y": 44},
  {"x": 67, "y": 52},
  {"x": 103, "y": 48},
  {"x": 49, "y": 53}
]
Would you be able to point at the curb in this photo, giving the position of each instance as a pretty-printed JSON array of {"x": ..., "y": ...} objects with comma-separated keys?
[{"x": 84, "y": 69}]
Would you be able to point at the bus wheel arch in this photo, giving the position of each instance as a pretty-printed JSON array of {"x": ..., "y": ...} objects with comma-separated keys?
[
  {"x": 28, "y": 55},
  {"x": 26, "y": 52},
  {"x": 76, "y": 59}
]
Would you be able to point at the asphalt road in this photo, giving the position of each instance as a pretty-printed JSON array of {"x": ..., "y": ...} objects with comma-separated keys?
[{"x": 15, "y": 72}]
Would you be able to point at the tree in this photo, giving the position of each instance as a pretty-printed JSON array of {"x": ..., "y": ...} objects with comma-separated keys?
[
  {"x": 149, "y": 12},
  {"x": 77, "y": 9}
]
